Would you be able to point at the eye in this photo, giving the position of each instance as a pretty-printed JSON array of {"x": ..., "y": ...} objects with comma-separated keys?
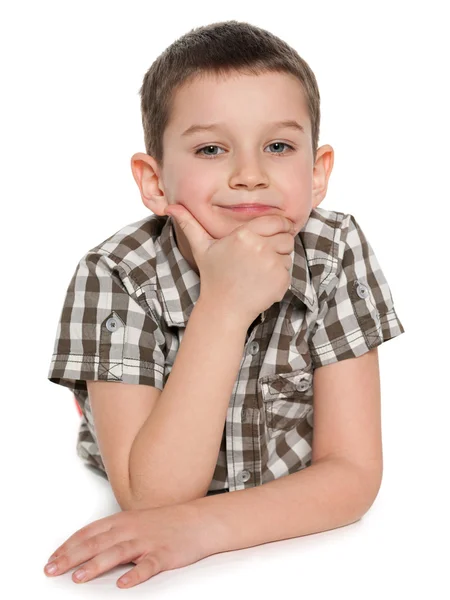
[
  {"x": 211, "y": 146},
  {"x": 278, "y": 144}
]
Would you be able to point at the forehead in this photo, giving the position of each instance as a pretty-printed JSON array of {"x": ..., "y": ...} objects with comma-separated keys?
[{"x": 238, "y": 99}]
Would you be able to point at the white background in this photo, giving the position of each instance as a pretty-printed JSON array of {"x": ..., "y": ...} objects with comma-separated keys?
[{"x": 70, "y": 121}]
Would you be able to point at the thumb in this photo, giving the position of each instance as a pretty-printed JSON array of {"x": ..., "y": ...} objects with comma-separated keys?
[{"x": 198, "y": 238}]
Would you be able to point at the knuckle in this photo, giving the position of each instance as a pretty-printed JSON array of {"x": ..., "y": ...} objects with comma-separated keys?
[
  {"x": 62, "y": 562},
  {"x": 168, "y": 556},
  {"x": 152, "y": 561},
  {"x": 80, "y": 535},
  {"x": 123, "y": 548},
  {"x": 92, "y": 545}
]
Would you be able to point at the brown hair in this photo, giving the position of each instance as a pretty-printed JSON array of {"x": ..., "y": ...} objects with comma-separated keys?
[{"x": 221, "y": 49}]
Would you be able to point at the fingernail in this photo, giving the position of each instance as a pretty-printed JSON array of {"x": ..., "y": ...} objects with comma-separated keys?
[
  {"x": 80, "y": 574},
  {"x": 50, "y": 568}
]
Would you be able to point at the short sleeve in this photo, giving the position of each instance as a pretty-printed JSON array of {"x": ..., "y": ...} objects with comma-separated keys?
[
  {"x": 357, "y": 311},
  {"x": 104, "y": 331}
]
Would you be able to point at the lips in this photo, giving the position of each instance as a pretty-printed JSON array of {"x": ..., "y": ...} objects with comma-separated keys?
[
  {"x": 253, "y": 205},
  {"x": 252, "y": 209}
]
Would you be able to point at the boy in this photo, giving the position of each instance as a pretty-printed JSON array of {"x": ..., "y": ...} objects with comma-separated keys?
[{"x": 253, "y": 312}]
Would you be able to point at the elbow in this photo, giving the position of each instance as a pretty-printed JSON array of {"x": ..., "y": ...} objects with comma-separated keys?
[
  {"x": 368, "y": 485},
  {"x": 357, "y": 487},
  {"x": 128, "y": 499},
  {"x": 154, "y": 499},
  {"x": 131, "y": 502},
  {"x": 143, "y": 494}
]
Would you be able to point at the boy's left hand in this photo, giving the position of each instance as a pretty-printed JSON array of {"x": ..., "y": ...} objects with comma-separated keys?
[{"x": 155, "y": 539}]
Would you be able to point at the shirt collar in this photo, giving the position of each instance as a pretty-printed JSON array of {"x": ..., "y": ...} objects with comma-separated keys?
[{"x": 180, "y": 284}]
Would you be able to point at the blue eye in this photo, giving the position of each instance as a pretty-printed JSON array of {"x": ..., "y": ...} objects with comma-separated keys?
[
  {"x": 204, "y": 147},
  {"x": 282, "y": 144},
  {"x": 209, "y": 146}
]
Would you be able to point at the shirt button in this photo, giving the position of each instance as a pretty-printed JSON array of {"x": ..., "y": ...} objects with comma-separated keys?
[
  {"x": 243, "y": 476},
  {"x": 254, "y": 348},
  {"x": 111, "y": 324},
  {"x": 303, "y": 385},
  {"x": 362, "y": 290}
]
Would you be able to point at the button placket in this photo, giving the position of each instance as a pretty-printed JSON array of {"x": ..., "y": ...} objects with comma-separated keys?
[
  {"x": 253, "y": 348},
  {"x": 243, "y": 476},
  {"x": 362, "y": 290}
]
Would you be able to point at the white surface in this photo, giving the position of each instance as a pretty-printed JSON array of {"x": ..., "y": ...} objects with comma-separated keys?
[{"x": 70, "y": 122}]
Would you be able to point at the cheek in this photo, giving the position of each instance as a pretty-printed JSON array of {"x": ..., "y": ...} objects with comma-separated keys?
[
  {"x": 192, "y": 188},
  {"x": 298, "y": 179},
  {"x": 298, "y": 200}
]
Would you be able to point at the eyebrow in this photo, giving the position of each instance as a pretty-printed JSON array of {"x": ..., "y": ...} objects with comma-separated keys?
[{"x": 291, "y": 124}]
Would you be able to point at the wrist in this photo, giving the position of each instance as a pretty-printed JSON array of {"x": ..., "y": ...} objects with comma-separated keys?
[
  {"x": 213, "y": 533},
  {"x": 223, "y": 314}
]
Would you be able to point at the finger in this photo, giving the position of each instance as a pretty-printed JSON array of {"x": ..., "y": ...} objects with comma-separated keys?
[
  {"x": 196, "y": 234},
  {"x": 121, "y": 553},
  {"x": 287, "y": 261},
  {"x": 283, "y": 243},
  {"x": 95, "y": 528},
  {"x": 147, "y": 568},
  {"x": 85, "y": 550},
  {"x": 271, "y": 224},
  {"x": 287, "y": 225}
]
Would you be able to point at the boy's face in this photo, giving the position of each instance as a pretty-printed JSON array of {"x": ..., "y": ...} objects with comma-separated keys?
[{"x": 251, "y": 159}]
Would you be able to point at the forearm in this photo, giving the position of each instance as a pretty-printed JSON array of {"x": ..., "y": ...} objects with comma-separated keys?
[
  {"x": 173, "y": 457},
  {"x": 330, "y": 493}
]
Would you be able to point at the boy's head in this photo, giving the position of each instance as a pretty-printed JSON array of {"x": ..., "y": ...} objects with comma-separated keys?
[{"x": 244, "y": 79}]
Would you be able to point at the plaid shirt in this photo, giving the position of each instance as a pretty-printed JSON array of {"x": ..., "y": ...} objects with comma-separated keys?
[{"x": 129, "y": 301}]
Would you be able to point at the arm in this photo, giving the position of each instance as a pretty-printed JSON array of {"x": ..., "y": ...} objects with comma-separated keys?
[
  {"x": 169, "y": 461},
  {"x": 336, "y": 490},
  {"x": 330, "y": 493}
]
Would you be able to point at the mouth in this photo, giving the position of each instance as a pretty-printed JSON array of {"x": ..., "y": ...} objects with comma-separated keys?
[{"x": 248, "y": 208}]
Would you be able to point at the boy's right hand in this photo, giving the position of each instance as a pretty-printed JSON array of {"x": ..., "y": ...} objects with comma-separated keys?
[{"x": 246, "y": 271}]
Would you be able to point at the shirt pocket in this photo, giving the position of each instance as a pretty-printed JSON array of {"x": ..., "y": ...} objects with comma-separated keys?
[{"x": 287, "y": 400}]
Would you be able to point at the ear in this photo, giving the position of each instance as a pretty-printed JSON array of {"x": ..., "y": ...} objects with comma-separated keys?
[
  {"x": 321, "y": 173},
  {"x": 146, "y": 173}
]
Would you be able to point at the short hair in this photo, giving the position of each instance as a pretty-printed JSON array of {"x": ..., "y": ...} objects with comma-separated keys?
[{"x": 220, "y": 48}]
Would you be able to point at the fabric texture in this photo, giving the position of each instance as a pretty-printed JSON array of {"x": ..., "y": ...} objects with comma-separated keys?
[{"x": 129, "y": 301}]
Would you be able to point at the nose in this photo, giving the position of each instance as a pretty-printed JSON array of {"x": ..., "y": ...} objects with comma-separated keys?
[{"x": 248, "y": 173}]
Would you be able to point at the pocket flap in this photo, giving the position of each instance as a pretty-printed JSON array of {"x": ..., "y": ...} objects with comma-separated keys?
[{"x": 284, "y": 385}]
